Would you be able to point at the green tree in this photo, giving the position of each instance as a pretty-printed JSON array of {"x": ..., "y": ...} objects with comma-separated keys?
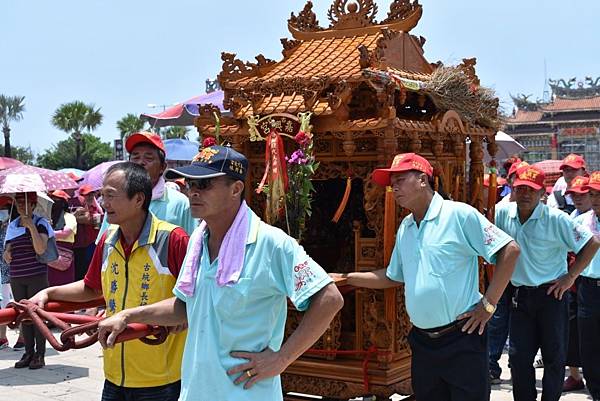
[
  {"x": 130, "y": 124},
  {"x": 11, "y": 109},
  {"x": 21, "y": 153},
  {"x": 175, "y": 132},
  {"x": 64, "y": 153},
  {"x": 73, "y": 118}
]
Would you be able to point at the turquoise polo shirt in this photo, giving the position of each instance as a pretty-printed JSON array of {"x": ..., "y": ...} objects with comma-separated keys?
[
  {"x": 545, "y": 238},
  {"x": 173, "y": 207},
  {"x": 247, "y": 316},
  {"x": 593, "y": 269},
  {"x": 438, "y": 260}
]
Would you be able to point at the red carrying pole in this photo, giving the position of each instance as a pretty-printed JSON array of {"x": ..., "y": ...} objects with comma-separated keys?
[{"x": 8, "y": 315}]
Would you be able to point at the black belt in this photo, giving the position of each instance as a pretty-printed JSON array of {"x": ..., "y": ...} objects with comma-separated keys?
[
  {"x": 441, "y": 331},
  {"x": 536, "y": 287},
  {"x": 592, "y": 281}
]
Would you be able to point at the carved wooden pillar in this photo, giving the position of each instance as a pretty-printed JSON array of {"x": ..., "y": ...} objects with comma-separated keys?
[
  {"x": 476, "y": 172},
  {"x": 348, "y": 144},
  {"x": 458, "y": 182},
  {"x": 415, "y": 141}
]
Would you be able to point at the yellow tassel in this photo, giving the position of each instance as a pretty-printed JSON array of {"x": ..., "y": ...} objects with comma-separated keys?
[{"x": 344, "y": 202}]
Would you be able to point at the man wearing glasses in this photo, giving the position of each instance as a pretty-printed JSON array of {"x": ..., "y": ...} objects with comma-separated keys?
[{"x": 233, "y": 290}]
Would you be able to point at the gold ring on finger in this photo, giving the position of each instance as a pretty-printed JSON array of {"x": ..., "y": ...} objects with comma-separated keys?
[{"x": 248, "y": 373}]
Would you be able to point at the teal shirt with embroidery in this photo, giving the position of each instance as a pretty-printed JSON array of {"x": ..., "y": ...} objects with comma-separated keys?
[
  {"x": 545, "y": 239},
  {"x": 247, "y": 316},
  {"x": 438, "y": 260},
  {"x": 593, "y": 269}
]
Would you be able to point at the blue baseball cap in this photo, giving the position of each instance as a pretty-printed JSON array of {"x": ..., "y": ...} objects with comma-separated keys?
[{"x": 213, "y": 161}]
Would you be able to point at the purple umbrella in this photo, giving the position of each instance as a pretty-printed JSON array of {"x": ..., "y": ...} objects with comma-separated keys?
[
  {"x": 32, "y": 179},
  {"x": 183, "y": 114},
  {"x": 95, "y": 175}
]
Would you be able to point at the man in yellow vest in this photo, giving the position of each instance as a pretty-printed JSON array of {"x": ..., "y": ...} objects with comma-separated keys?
[{"x": 136, "y": 262}]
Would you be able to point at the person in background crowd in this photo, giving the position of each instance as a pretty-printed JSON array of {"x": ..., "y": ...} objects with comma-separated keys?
[
  {"x": 539, "y": 315},
  {"x": 5, "y": 293},
  {"x": 588, "y": 294},
  {"x": 498, "y": 326},
  {"x": 148, "y": 150},
  {"x": 509, "y": 196},
  {"x": 572, "y": 166},
  {"x": 88, "y": 215},
  {"x": 64, "y": 225},
  {"x": 581, "y": 199},
  {"x": 26, "y": 240}
]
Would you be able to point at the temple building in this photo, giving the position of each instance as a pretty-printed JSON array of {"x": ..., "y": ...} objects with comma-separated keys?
[{"x": 569, "y": 123}]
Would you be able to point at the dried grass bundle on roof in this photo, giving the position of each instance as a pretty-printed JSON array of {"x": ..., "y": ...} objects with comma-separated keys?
[{"x": 451, "y": 88}]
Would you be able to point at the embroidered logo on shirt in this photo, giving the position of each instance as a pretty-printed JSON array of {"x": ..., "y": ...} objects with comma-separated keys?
[
  {"x": 490, "y": 233},
  {"x": 302, "y": 274},
  {"x": 577, "y": 234}
]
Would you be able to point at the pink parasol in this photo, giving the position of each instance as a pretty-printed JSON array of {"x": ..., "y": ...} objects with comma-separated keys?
[
  {"x": 7, "y": 162},
  {"x": 95, "y": 175},
  {"x": 33, "y": 179}
]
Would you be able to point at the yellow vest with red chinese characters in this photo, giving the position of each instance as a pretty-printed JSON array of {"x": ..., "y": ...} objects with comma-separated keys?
[{"x": 144, "y": 278}]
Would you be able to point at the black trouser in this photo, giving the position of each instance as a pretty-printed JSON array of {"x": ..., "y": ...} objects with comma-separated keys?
[
  {"x": 24, "y": 288},
  {"x": 588, "y": 292},
  {"x": 82, "y": 261},
  {"x": 573, "y": 357},
  {"x": 453, "y": 367},
  {"x": 538, "y": 321},
  {"x": 168, "y": 392}
]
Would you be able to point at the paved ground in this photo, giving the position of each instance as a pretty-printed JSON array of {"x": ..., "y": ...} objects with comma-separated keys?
[{"x": 77, "y": 376}]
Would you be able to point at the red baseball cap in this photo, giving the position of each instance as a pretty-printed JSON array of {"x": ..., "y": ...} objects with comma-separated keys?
[
  {"x": 530, "y": 176},
  {"x": 594, "y": 181},
  {"x": 144, "y": 137},
  {"x": 85, "y": 189},
  {"x": 578, "y": 185},
  {"x": 402, "y": 162},
  {"x": 60, "y": 194},
  {"x": 515, "y": 166},
  {"x": 573, "y": 161}
]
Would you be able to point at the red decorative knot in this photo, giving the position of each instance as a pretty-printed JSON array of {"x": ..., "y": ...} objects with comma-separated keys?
[
  {"x": 492, "y": 163},
  {"x": 208, "y": 141}
]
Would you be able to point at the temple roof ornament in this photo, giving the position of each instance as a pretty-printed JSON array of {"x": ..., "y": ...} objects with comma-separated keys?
[
  {"x": 354, "y": 17},
  {"x": 567, "y": 89}
]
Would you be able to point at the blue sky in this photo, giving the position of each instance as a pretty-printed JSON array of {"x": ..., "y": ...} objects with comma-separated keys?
[{"x": 124, "y": 55}]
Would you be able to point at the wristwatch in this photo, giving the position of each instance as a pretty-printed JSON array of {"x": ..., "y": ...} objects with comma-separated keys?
[{"x": 489, "y": 308}]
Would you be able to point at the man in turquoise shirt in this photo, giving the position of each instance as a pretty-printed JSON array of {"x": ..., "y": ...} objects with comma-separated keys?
[
  {"x": 539, "y": 318},
  {"x": 147, "y": 149},
  {"x": 436, "y": 257},
  {"x": 233, "y": 290},
  {"x": 588, "y": 293}
]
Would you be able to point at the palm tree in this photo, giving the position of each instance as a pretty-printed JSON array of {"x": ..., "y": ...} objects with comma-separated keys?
[
  {"x": 130, "y": 124},
  {"x": 11, "y": 109},
  {"x": 176, "y": 132},
  {"x": 75, "y": 117}
]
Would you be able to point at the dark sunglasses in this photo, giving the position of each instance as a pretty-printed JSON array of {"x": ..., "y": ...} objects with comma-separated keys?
[{"x": 199, "y": 184}]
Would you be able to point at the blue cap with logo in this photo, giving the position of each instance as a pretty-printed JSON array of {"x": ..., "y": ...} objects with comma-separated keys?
[{"x": 213, "y": 161}]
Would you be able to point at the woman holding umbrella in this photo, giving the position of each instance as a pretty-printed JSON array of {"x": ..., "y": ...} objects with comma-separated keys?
[
  {"x": 62, "y": 271},
  {"x": 26, "y": 241}
]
